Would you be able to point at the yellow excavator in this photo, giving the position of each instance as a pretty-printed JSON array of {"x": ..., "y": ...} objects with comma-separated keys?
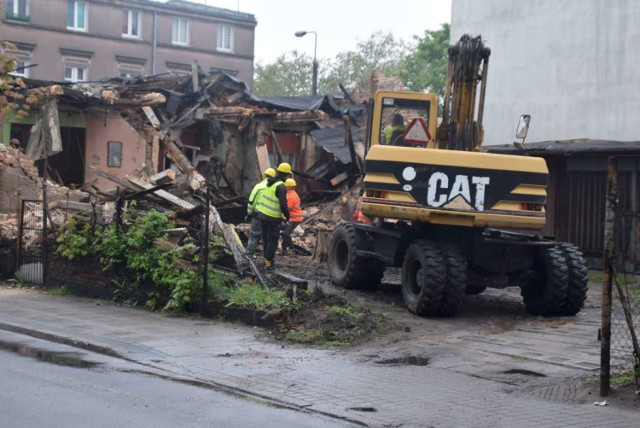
[{"x": 455, "y": 219}]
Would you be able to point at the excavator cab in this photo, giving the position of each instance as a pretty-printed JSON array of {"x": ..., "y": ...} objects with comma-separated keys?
[{"x": 405, "y": 119}]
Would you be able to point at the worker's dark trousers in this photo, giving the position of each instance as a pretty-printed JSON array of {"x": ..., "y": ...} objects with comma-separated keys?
[
  {"x": 287, "y": 241},
  {"x": 270, "y": 236},
  {"x": 255, "y": 232}
]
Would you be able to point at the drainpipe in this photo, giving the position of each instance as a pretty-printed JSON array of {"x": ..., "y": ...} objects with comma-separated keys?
[{"x": 154, "y": 43}]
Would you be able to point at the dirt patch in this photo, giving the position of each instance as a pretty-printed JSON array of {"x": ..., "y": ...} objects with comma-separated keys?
[{"x": 330, "y": 320}]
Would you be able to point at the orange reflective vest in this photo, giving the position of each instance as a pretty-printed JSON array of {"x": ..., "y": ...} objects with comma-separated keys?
[{"x": 293, "y": 202}]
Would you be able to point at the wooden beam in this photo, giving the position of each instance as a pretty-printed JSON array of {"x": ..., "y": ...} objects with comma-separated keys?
[
  {"x": 339, "y": 178},
  {"x": 166, "y": 176},
  {"x": 119, "y": 181},
  {"x": 181, "y": 203}
]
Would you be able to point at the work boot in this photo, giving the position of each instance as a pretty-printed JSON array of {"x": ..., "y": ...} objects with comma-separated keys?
[{"x": 268, "y": 265}]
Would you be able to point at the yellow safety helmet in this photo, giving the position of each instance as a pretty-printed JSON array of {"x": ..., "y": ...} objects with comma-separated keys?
[
  {"x": 269, "y": 172},
  {"x": 284, "y": 168},
  {"x": 290, "y": 182}
]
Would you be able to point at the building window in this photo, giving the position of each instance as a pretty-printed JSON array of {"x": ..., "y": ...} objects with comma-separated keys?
[
  {"x": 21, "y": 68},
  {"x": 75, "y": 74},
  {"x": 76, "y": 15},
  {"x": 180, "y": 31},
  {"x": 18, "y": 10},
  {"x": 114, "y": 154},
  {"x": 225, "y": 38},
  {"x": 131, "y": 23}
]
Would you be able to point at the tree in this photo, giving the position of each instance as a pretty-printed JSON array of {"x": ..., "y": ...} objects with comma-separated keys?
[
  {"x": 289, "y": 75},
  {"x": 14, "y": 98},
  {"x": 425, "y": 69},
  {"x": 352, "y": 68}
]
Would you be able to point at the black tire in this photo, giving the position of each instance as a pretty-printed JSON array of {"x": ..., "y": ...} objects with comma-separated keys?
[
  {"x": 348, "y": 270},
  {"x": 547, "y": 297},
  {"x": 456, "y": 279},
  {"x": 423, "y": 278},
  {"x": 474, "y": 290},
  {"x": 578, "y": 279}
]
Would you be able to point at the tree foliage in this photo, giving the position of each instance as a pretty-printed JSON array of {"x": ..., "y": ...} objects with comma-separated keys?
[
  {"x": 425, "y": 68},
  {"x": 13, "y": 95},
  {"x": 291, "y": 73}
]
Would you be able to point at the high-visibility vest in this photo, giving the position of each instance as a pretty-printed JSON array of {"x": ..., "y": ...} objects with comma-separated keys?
[
  {"x": 269, "y": 204},
  {"x": 389, "y": 132},
  {"x": 255, "y": 195},
  {"x": 293, "y": 202}
]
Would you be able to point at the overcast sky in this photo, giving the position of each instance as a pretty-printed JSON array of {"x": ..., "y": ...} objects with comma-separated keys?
[{"x": 339, "y": 24}]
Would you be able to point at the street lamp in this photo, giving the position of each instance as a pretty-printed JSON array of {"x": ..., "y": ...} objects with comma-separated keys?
[{"x": 314, "y": 88}]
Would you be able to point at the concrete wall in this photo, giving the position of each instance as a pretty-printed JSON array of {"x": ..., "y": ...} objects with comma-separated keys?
[
  {"x": 571, "y": 64},
  {"x": 100, "y": 131}
]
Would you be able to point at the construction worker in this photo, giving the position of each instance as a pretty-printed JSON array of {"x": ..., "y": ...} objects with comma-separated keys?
[
  {"x": 393, "y": 133},
  {"x": 272, "y": 209},
  {"x": 255, "y": 230},
  {"x": 295, "y": 214}
]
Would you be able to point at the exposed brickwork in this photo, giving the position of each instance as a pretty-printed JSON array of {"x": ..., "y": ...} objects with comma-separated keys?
[{"x": 84, "y": 274}]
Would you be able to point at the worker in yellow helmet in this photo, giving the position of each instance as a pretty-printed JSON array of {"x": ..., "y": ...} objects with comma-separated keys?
[
  {"x": 255, "y": 230},
  {"x": 272, "y": 209}
]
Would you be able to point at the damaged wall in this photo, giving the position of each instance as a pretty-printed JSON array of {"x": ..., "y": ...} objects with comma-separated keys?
[{"x": 100, "y": 131}]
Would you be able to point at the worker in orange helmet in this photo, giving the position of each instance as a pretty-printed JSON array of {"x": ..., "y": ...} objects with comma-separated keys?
[{"x": 295, "y": 215}]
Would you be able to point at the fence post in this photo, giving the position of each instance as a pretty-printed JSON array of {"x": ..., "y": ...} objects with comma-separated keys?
[
  {"x": 205, "y": 254},
  {"x": 609, "y": 247}
]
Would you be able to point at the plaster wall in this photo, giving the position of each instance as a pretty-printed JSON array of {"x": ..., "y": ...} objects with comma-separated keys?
[
  {"x": 571, "y": 64},
  {"x": 100, "y": 131}
]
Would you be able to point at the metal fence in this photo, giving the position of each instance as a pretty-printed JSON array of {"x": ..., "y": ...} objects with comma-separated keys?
[
  {"x": 625, "y": 292},
  {"x": 31, "y": 260}
]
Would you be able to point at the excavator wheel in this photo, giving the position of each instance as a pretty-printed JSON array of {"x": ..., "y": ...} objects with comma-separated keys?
[
  {"x": 578, "y": 279},
  {"x": 456, "y": 278},
  {"x": 347, "y": 269},
  {"x": 548, "y": 297},
  {"x": 424, "y": 278}
]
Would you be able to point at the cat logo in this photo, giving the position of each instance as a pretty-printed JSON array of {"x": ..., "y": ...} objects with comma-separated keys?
[{"x": 465, "y": 193}]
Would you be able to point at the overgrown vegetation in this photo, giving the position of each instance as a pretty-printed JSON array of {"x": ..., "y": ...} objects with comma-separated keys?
[
  {"x": 61, "y": 290},
  {"x": 136, "y": 259}
]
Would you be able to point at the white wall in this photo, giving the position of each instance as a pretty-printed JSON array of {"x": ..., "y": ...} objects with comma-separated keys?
[{"x": 574, "y": 65}]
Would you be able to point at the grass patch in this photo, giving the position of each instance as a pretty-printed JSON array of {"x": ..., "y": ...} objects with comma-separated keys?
[
  {"x": 254, "y": 296},
  {"x": 61, "y": 290},
  {"x": 622, "y": 279}
]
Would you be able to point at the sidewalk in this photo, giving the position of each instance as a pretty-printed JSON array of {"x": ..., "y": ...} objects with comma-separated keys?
[{"x": 452, "y": 391}]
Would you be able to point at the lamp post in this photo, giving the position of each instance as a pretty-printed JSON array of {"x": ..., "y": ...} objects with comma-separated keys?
[{"x": 314, "y": 87}]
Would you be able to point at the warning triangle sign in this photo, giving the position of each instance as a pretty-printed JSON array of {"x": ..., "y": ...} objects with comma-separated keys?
[{"x": 417, "y": 132}]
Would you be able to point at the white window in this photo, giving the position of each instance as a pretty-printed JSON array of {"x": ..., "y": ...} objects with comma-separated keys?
[
  {"x": 131, "y": 23},
  {"x": 76, "y": 15},
  {"x": 130, "y": 70},
  {"x": 180, "y": 31},
  {"x": 74, "y": 73},
  {"x": 18, "y": 9},
  {"x": 21, "y": 69},
  {"x": 225, "y": 38}
]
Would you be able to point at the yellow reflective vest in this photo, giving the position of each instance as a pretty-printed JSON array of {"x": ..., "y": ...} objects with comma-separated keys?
[{"x": 268, "y": 204}]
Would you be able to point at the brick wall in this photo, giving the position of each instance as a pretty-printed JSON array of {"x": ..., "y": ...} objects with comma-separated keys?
[{"x": 84, "y": 275}]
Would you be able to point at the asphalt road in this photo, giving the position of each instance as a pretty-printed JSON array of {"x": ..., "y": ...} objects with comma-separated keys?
[{"x": 46, "y": 384}]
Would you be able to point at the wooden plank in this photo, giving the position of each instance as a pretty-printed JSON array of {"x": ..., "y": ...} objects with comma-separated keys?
[
  {"x": 339, "y": 178},
  {"x": 119, "y": 181},
  {"x": 187, "y": 206},
  {"x": 263, "y": 158},
  {"x": 234, "y": 243},
  {"x": 166, "y": 176}
]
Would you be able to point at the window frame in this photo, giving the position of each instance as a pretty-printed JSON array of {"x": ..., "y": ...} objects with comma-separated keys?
[
  {"x": 74, "y": 26},
  {"x": 176, "y": 40},
  {"x": 220, "y": 45},
  {"x": 25, "y": 70},
  {"x": 14, "y": 13},
  {"x": 130, "y": 13},
  {"x": 117, "y": 162},
  {"x": 74, "y": 70}
]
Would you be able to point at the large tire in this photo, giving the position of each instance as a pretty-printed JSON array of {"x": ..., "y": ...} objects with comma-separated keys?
[
  {"x": 456, "y": 279},
  {"x": 578, "y": 279},
  {"x": 548, "y": 297},
  {"x": 348, "y": 270},
  {"x": 423, "y": 278}
]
